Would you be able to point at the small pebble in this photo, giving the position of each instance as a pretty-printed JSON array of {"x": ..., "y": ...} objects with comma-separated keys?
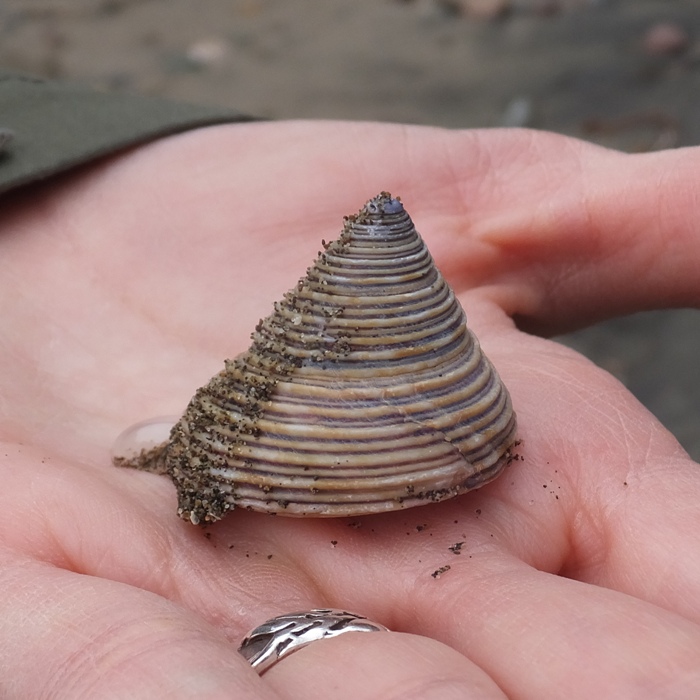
[
  {"x": 518, "y": 113},
  {"x": 546, "y": 8},
  {"x": 665, "y": 39},
  {"x": 485, "y": 9},
  {"x": 207, "y": 52}
]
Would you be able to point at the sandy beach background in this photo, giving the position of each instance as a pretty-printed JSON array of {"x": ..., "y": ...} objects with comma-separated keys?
[{"x": 625, "y": 74}]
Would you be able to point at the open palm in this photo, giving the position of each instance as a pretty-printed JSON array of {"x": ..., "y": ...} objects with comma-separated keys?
[{"x": 124, "y": 286}]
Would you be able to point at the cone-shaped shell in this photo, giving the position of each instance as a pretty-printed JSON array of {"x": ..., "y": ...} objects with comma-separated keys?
[{"x": 363, "y": 392}]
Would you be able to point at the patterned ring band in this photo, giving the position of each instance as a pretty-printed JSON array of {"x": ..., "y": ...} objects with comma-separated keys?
[{"x": 283, "y": 635}]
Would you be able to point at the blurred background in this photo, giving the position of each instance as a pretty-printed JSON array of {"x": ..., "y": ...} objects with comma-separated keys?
[{"x": 622, "y": 73}]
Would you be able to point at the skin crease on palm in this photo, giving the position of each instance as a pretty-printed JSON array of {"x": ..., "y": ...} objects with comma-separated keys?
[{"x": 123, "y": 286}]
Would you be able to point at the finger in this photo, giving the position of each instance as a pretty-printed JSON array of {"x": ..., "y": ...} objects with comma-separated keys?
[
  {"x": 68, "y": 635},
  {"x": 537, "y": 635},
  {"x": 576, "y": 233},
  {"x": 121, "y": 525},
  {"x": 543, "y": 636},
  {"x": 382, "y": 666}
]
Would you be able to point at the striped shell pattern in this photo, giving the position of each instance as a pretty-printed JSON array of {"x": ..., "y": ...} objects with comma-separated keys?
[{"x": 364, "y": 391}]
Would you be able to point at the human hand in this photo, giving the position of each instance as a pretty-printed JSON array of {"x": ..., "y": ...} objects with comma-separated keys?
[{"x": 124, "y": 286}]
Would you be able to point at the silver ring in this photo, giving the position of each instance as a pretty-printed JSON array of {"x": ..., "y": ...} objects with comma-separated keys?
[{"x": 274, "y": 639}]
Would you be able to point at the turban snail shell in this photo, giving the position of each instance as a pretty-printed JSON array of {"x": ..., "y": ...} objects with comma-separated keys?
[{"x": 364, "y": 391}]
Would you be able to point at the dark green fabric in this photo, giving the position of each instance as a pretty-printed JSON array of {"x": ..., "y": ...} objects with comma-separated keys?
[{"x": 47, "y": 127}]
